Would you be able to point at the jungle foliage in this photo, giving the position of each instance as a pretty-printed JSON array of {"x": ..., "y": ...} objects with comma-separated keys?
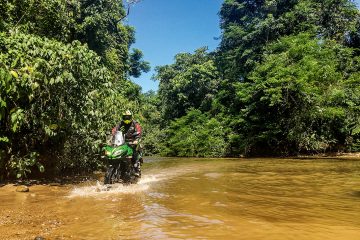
[
  {"x": 64, "y": 68},
  {"x": 284, "y": 80}
]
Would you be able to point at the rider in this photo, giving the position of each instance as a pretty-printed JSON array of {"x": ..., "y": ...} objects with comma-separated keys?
[{"x": 132, "y": 131}]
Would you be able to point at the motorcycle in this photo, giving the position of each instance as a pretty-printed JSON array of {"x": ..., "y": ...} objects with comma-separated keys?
[{"x": 121, "y": 167}]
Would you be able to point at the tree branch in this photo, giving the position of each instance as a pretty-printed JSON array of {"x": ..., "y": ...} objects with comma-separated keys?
[{"x": 129, "y": 4}]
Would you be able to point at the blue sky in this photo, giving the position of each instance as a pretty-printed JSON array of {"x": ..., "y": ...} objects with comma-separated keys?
[{"x": 167, "y": 27}]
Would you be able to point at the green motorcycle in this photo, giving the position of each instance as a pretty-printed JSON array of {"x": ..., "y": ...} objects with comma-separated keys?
[{"x": 120, "y": 162}]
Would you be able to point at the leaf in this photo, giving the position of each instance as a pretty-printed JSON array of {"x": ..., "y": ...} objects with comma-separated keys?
[
  {"x": 31, "y": 97},
  {"x": 4, "y": 139},
  {"x": 14, "y": 74},
  {"x": 356, "y": 130},
  {"x": 16, "y": 117},
  {"x": 34, "y": 86},
  {"x": 2, "y": 103},
  {"x": 31, "y": 162},
  {"x": 41, "y": 167},
  {"x": 13, "y": 110}
]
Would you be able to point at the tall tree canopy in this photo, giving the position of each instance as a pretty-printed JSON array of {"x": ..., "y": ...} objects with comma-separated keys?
[
  {"x": 190, "y": 82},
  {"x": 64, "y": 69},
  {"x": 283, "y": 79},
  {"x": 249, "y": 25}
]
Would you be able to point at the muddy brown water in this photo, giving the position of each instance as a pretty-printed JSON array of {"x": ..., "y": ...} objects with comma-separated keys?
[{"x": 197, "y": 199}]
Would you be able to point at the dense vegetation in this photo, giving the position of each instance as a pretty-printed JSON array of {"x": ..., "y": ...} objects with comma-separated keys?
[
  {"x": 64, "y": 68},
  {"x": 285, "y": 79}
]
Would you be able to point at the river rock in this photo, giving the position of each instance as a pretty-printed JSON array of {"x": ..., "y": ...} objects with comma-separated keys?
[
  {"x": 39, "y": 238},
  {"x": 22, "y": 189}
]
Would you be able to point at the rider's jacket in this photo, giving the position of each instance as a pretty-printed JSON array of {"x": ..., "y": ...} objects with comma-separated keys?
[{"x": 132, "y": 130}]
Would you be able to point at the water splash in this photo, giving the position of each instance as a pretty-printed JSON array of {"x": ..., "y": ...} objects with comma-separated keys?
[{"x": 99, "y": 189}]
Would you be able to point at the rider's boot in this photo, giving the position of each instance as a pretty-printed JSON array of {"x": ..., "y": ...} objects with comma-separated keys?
[{"x": 137, "y": 169}]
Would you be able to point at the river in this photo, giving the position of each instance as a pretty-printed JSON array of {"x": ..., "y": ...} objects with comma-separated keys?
[{"x": 186, "y": 198}]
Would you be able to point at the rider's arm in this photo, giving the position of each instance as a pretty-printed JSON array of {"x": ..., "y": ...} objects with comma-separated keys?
[
  {"x": 116, "y": 128},
  {"x": 138, "y": 131}
]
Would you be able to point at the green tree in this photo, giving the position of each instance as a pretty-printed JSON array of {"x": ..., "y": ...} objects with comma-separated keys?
[
  {"x": 250, "y": 29},
  {"x": 153, "y": 135},
  {"x": 96, "y": 23},
  {"x": 190, "y": 82},
  {"x": 53, "y": 19},
  {"x": 297, "y": 98},
  {"x": 49, "y": 92},
  {"x": 249, "y": 25},
  {"x": 64, "y": 68},
  {"x": 137, "y": 65},
  {"x": 195, "y": 135}
]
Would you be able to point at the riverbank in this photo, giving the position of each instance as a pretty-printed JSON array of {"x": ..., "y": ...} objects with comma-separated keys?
[
  {"x": 339, "y": 155},
  {"x": 54, "y": 181}
]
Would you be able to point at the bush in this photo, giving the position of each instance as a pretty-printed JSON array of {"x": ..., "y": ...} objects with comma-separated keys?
[
  {"x": 195, "y": 135},
  {"x": 53, "y": 95}
]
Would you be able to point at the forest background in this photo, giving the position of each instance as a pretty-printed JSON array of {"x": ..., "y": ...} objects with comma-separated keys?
[{"x": 283, "y": 81}]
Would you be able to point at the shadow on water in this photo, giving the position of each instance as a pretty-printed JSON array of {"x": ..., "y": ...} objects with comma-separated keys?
[{"x": 356, "y": 193}]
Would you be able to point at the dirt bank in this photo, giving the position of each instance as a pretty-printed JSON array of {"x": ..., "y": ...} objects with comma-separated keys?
[{"x": 355, "y": 156}]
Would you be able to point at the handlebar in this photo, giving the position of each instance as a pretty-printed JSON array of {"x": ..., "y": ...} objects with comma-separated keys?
[{"x": 136, "y": 142}]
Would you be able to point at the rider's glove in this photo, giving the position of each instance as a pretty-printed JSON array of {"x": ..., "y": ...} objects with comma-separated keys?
[{"x": 122, "y": 129}]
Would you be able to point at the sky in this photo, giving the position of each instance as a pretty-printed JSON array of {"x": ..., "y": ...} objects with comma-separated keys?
[{"x": 164, "y": 28}]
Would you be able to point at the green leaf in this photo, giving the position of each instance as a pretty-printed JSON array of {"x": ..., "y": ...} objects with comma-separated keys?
[
  {"x": 14, "y": 74},
  {"x": 356, "y": 130},
  {"x": 41, "y": 167},
  {"x": 34, "y": 86},
  {"x": 4, "y": 139}
]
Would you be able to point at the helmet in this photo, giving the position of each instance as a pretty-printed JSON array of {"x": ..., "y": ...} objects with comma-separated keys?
[{"x": 127, "y": 116}]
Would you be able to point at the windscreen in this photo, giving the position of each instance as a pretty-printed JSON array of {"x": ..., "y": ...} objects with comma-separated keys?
[{"x": 118, "y": 139}]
